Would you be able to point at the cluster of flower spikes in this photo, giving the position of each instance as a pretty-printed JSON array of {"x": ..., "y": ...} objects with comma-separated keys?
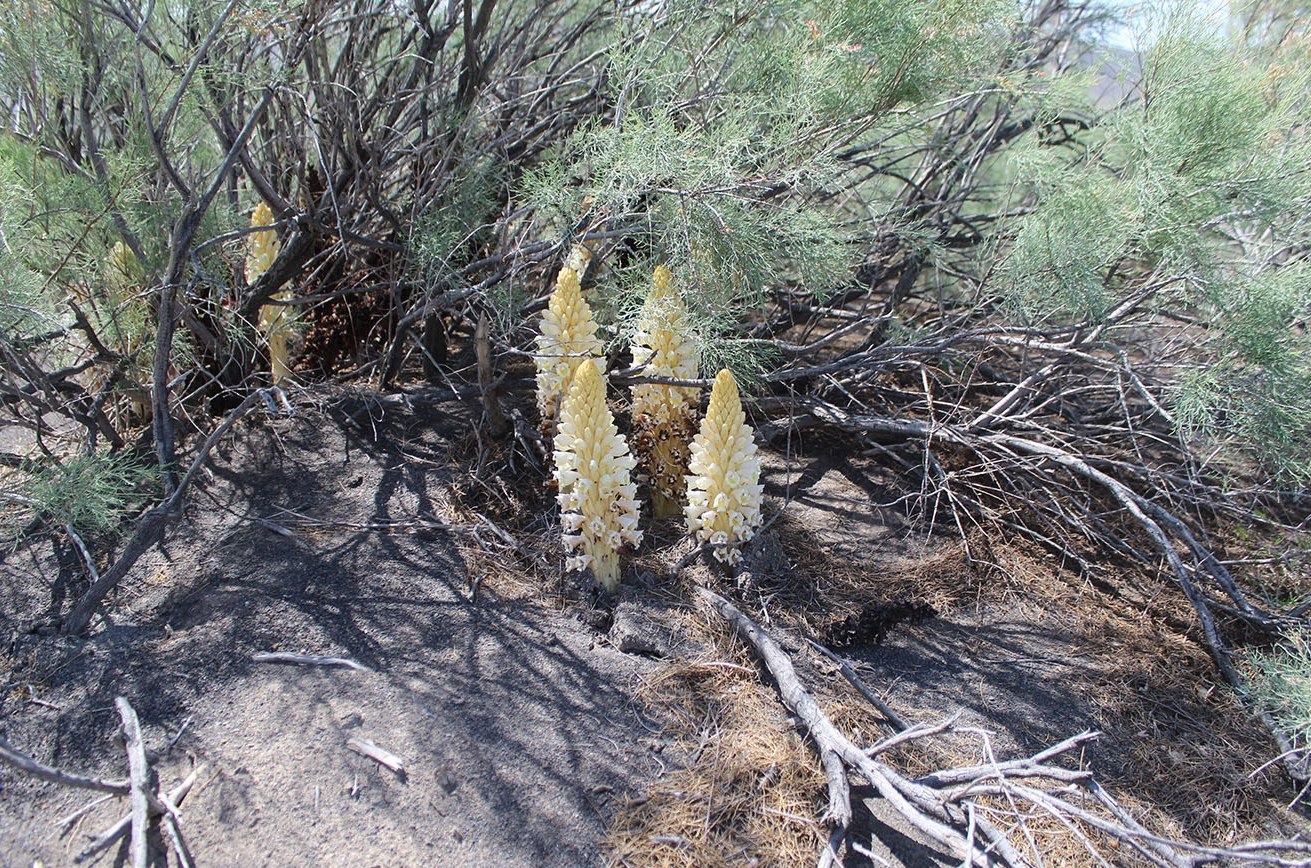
[
  {"x": 261, "y": 250},
  {"x": 664, "y": 417},
  {"x": 593, "y": 469},
  {"x": 567, "y": 339},
  {"x": 723, "y": 484}
]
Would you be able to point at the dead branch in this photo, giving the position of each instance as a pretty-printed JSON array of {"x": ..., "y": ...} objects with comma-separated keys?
[
  {"x": 139, "y": 768},
  {"x": 379, "y": 755},
  {"x": 308, "y": 660},
  {"x": 893, "y": 719},
  {"x": 46, "y": 773},
  {"x": 174, "y": 797},
  {"x": 948, "y": 806}
]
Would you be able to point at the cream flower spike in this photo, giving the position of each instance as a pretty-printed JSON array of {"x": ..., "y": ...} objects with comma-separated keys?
[
  {"x": 567, "y": 338},
  {"x": 274, "y": 320},
  {"x": 593, "y": 468},
  {"x": 122, "y": 270},
  {"x": 261, "y": 246},
  {"x": 723, "y": 485},
  {"x": 579, "y": 257},
  {"x": 664, "y": 417}
]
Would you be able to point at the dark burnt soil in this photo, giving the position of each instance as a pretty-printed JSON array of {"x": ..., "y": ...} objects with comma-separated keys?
[{"x": 516, "y": 723}]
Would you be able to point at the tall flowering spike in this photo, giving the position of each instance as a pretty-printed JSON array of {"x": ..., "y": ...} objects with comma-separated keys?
[
  {"x": 723, "y": 486},
  {"x": 261, "y": 247},
  {"x": 567, "y": 339},
  {"x": 664, "y": 417},
  {"x": 593, "y": 468}
]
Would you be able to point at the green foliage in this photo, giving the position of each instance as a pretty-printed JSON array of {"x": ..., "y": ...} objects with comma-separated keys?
[
  {"x": 726, "y": 142},
  {"x": 1183, "y": 195},
  {"x": 1062, "y": 253},
  {"x": 1281, "y": 684},
  {"x": 89, "y": 492}
]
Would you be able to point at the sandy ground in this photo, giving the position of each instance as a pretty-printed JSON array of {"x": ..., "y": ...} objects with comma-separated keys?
[{"x": 516, "y": 722}]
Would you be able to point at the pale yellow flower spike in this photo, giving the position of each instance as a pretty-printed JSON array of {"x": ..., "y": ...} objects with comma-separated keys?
[
  {"x": 664, "y": 417},
  {"x": 262, "y": 246},
  {"x": 567, "y": 339},
  {"x": 261, "y": 250},
  {"x": 593, "y": 468},
  {"x": 579, "y": 256},
  {"x": 122, "y": 270},
  {"x": 723, "y": 485}
]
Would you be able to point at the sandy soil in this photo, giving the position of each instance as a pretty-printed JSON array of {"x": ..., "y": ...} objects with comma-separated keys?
[{"x": 515, "y": 721}]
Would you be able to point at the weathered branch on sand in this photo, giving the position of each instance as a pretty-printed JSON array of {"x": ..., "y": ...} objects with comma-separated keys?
[
  {"x": 166, "y": 802},
  {"x": 948, "y": 806},
  {"x": 147, "y": 801},
  {"x": 381, "y": 756},
  {"x": 139, "y": 768},
  {"x": 307, "y": 660},
  {"x": 25, "y": 763}
]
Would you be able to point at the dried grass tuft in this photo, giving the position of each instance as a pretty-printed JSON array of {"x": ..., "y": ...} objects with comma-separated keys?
[{"x": 748, "y": 792}]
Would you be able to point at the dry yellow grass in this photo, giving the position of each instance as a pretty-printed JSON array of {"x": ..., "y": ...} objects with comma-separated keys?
[{"x": 749, "y": 791}]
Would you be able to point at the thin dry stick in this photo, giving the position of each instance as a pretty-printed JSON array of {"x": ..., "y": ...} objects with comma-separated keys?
[
  {"x": 828, "y": 739},
  {"x": 87, "y": 808},
  {"x": 893, "y": 719},
  {"x": 106, "y": 839},
  {"x": 308, "y": 660},
  {"x": 379, "y": 755},
  {"x": 140, "y": 772}
]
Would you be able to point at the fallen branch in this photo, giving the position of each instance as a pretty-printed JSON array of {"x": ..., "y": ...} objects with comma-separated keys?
[
  {"x": 64, "y": 822},
  {"x": 379, "y": 755},
  {"x": 308, "y": 660},
  {"x": 944, "y": 805},
  {"x": 893, "y": 719},
  {"x": 139, "y": 769},
  {"x": 830, "y": 743},
  {"x": 46, "y": 773},
  {"x": 174, "y": 797}
]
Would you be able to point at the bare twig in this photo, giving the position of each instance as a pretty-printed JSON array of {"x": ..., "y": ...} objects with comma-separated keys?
[
  {"x": 25, "y": 763},
  {"x": 894, "y": 720},
  {"x": 307, "y": 660},
  {"x": 106, "y": 839},
  {"x": 379, "y": 755}
]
